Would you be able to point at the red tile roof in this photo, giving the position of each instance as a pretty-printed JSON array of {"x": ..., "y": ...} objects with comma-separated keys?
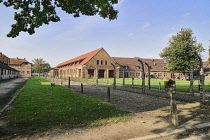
[
  {"x": 80, "y": 60},
  {"x": 133, "y": 63},
  {"x": 17, "y": 61}
]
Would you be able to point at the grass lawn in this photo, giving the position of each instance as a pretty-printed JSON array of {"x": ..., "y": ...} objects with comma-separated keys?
[
  {"x": 38, "y": 109},
  {"x": 181, "y": 85}
]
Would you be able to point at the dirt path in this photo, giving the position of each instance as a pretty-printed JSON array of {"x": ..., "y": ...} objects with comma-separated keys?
[{"x": 151, "y": 117}]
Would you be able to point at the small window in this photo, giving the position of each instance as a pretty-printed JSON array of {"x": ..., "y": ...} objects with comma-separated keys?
[
  {"x": 165, "y": 74},
  {"x": 102, "y": 62},
  {"x": 137, "y": 74},
  {"x": 137, "y": 67},
  {"x": 28, "y": 72},
  {"x": 105, "y": 62},
  {"x": 97, "y": 62},
  {"x": 132, "y": 74}
]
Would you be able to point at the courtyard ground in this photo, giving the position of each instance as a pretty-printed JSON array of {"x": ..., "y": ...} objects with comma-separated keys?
[{"x": 152, "y": 116}]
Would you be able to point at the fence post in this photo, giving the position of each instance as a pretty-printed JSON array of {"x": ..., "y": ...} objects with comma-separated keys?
[
  {"x": 132, "y": 81},
  {"x": 81, "y": 88},
  {"x": 108, "y": 94},
  {"x": 159, "y": 86},
  {"x": 69, "y": 82},
  {"x": 170, "y": 88}
]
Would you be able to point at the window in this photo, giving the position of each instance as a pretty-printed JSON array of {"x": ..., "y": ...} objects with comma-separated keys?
[
  {"x": 102, "y": 62},
  {"x": 132, "y": 74},
  {"x": 137, "y": 74},
  {"x": 97, "y": 62},
  {"x": 28, "y": 72},
  {"x": 105, "y": 62},
  {"x": 165, "y": 74},
  {"x": 159, "y": 74},
  {"x": 165, "y": 68},
  {"x": 23, "y": 72},
  {"x": 137, "y": 67}
]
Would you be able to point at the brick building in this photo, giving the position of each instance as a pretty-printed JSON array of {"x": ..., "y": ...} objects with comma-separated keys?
[
  {"x": 98, "y": 63},
  {"x": 94, "y": 64},
  {"x": 132, "y": 68},
  {"x": 21, "y": 65},
  {"x": 6, "y": 72}
]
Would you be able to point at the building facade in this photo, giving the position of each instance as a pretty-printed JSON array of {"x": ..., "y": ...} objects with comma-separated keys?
[
  {"x": 95, "y": 64},
  {"x": 132, "y": 68},
  {"x": 98, "y": 64},
  {"x": 22, "y": 65},
  {"x": 6, "y": 72}
]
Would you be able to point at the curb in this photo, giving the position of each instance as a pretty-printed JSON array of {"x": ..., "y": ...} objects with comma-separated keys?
[
  {"x": 11, "y": 101},
  {"x": 175, "y": 131}
]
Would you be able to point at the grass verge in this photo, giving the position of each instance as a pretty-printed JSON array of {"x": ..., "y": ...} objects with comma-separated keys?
[
  {"x": 181, "y": 85},
  {"x": 39, "y": 108}
]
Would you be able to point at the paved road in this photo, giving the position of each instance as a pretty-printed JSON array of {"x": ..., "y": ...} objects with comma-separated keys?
[{"x": 8, "y": 87}]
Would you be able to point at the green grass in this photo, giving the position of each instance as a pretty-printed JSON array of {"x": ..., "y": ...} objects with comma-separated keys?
[
  {"x": 38, "y": 109},
  {"x": 181, "y": 85}
]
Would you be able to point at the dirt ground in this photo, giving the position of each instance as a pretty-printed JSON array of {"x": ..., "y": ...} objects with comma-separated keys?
[{"x": 144, "y": 123}]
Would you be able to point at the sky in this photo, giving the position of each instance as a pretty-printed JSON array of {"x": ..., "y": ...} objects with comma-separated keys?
[{"x": 142, "y": 29}]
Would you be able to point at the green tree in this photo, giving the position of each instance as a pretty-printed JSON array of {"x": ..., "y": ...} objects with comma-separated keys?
[
  {"x": 40, "y": 66},
  {"x": 182, "y": 53},
  {"x": 32, "y": 14},
  {"x": 182, "y": 49}
]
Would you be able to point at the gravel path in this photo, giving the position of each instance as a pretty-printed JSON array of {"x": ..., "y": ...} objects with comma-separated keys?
[
  {"x": 7, "y": 87},
  {"x": 124, "y": 100}
]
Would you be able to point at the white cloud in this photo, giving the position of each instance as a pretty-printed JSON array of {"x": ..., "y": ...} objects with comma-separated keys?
[
  {"x": 146, "y": 26},
  {"x": 166, "y": 37},
  {"x": 186, "y": 14},
  {"x": 83, "y": 26},
  {"x": 131, "y": 34}
]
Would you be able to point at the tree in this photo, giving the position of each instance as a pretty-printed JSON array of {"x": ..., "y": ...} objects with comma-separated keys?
[
  {"x": 40, "y": 66},
  {"x": 33, "y": 14},
  {"x": 182, "y": 53}
]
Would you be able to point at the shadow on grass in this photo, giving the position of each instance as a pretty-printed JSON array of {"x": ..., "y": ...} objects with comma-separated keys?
[{"x": 40, "y": 108}]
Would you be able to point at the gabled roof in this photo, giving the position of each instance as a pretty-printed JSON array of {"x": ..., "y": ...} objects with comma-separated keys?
[
  {"x": 7, "y": 67},
  {"x": 80, "y": 60},
  {"x": 133, "y": 63},
  {"x": 17, "y": 61}
]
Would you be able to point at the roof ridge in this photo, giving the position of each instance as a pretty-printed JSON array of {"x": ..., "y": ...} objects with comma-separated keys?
[{"x": 87, "y": 56}]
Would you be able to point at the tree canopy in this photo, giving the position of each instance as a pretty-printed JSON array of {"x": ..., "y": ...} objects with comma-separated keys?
[
  {"x": 32, "y": 14},
  {"x": 182, "y": 50},
  {"x": 40, "y": 66}
]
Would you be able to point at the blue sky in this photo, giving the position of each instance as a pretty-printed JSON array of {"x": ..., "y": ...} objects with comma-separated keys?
[{"x": 142, "y": 29}]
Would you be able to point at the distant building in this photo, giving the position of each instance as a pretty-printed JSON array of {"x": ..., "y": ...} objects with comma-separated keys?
[
  {"x": 6, "y": 72},
  {"x": 132, "y": 68},
  {"x": 21, "y": 65}
]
